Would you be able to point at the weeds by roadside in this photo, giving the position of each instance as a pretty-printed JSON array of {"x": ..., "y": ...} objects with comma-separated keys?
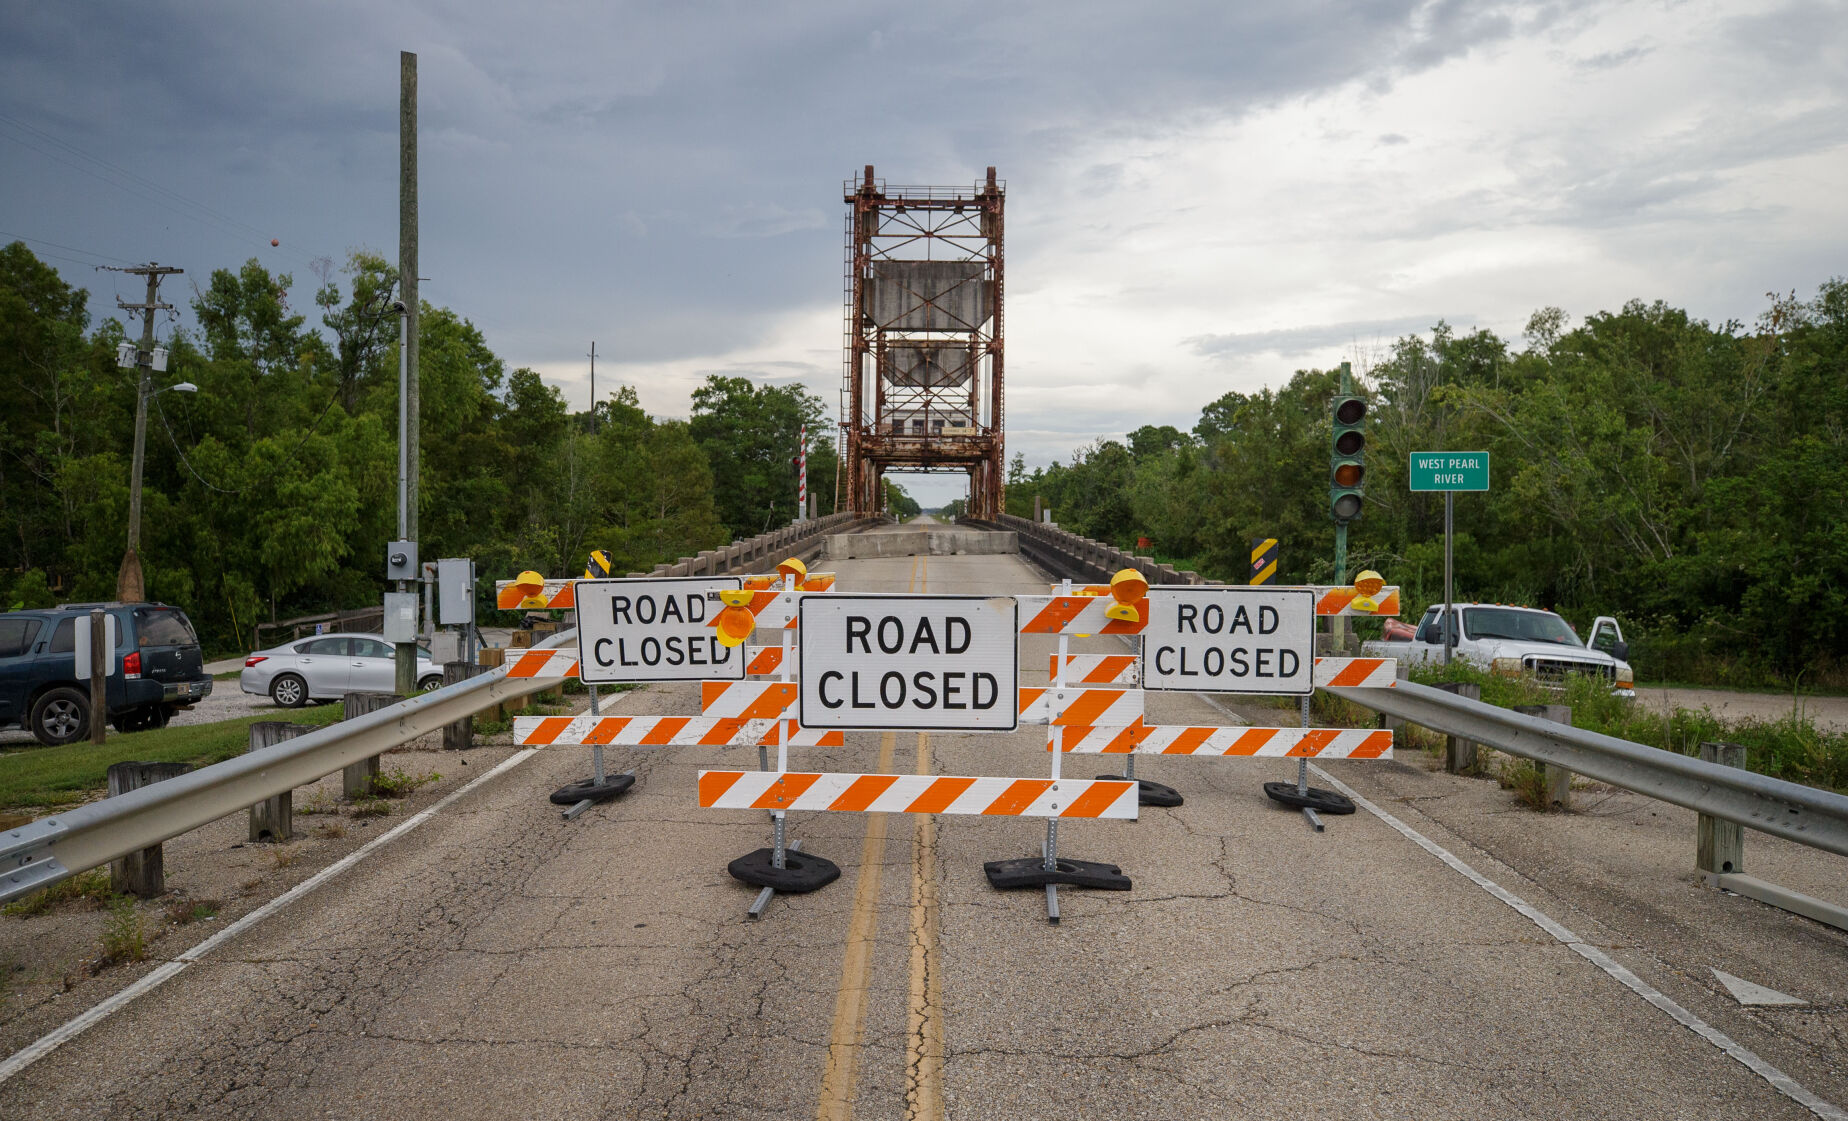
[
  {"x": 398, "y": 783},
  {"x": 369, "y": 807},
  {"x": 124, "y": 938},
  {"x": 182, "y": 911},
  {"x": 91, "y": 889}
]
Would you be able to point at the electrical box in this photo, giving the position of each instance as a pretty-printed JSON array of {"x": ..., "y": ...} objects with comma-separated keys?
[
  {"x": 400, "y": 617},
  {"x": 446, "y": 647},
  {"x": 455, "y": 591},
  {"x": 401, "y": 561}
]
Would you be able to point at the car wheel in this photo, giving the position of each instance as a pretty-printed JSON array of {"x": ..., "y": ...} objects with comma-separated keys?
[
  {"x": 289, "y": 691},
  {"x": 160, "y": 717},
  {"x": 134, "y": 720},
  {"x": 60, "y": 716},
  {"x": 430, "y": 684}
]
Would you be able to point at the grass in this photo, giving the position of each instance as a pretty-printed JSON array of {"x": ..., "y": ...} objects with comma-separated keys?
[
  {"x": 370, "y": 807},
  {"x": 89, "y": 888},
  {"x": 492, "y": 727},
  {"x": 397, "y": 783},
  {"x": 55, "y": 777},
  {"x": 183, "y": 911},
  {"x": 1787, "y": 748},
  {"x": 123, "y": 936}
]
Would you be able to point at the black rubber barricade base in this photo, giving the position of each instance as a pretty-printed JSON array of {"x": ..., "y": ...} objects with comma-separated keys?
[
  {"x": 590, "y": 790},
  {"x": 801, "y": 871},
  {"x": 1150, "y": 793},
  {"x": 1031, "y": 871},
  {"x": 1319, "y": 800}
]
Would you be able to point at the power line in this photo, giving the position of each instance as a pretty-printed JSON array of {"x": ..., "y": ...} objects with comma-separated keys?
[
  {"x": 129, "y": 182},
  {"x": 71, "y": 248}
]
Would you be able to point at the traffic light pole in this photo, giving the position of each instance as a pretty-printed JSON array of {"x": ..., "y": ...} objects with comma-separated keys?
[{"x": 1450, "y": 622}]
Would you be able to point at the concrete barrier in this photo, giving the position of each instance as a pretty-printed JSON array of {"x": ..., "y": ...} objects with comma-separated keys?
[{"x": 915, "y": 542}]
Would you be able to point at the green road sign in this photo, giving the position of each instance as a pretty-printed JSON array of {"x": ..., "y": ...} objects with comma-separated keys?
[{"x": 1450, "y": 471}]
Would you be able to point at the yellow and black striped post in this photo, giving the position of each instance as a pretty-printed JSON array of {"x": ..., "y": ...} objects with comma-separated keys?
[
  {"x": 598, "y": 567},
  {"x": 1264, "y": 560}
]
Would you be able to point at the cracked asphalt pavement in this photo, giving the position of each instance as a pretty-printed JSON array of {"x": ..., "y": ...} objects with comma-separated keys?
[{"x": 499, "y": 962}]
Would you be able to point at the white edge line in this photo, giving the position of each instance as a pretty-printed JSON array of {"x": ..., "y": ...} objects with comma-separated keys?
[
  {"x": 1781, "y": 1082},
  {"x": 57, "y": 1037}
]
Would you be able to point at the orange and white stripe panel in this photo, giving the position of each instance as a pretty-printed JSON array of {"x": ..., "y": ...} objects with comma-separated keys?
[
  {"x": 816, "y": 582},
  {"x": 1364, "y": 673},
  {"x": 541, "y": 663},
  {"x": 746, "y": 700},
  {"x": 762, "y": 661},
  {"x": 1096, "y": 669},
  {"x": 1255, "y": 743},
  {"x": 918, "y": 794},
  {"x": 1347, "y": 601},
  {"x": 774, "y": 610},
  {"x": 555, "y": 596},
  {"x": 661, "y": 731},
  {"x": 1079, "y": 615},
  {"x": 1079, "y": 707}
]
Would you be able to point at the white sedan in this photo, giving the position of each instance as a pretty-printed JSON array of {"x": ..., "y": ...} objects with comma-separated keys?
[{"x": 328, "y": 666}]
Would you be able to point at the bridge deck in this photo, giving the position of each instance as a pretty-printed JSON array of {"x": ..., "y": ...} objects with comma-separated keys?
[{"x": 498, "y": 963}]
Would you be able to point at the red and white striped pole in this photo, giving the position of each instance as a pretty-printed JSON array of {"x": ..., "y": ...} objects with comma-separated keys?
[{"x": 802, "y": 477}]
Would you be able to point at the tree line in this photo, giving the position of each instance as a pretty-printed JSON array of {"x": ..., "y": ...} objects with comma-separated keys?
[
  {"x": 1689, "y": 478},
  {"x": 271, "y": 492}
]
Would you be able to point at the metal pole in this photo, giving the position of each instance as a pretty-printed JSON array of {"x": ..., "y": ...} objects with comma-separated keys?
[
  {"x": 593, "y": 387},
  {"x": 1450, "y": 506},
  {"x": 99, "y": 675},
  {"x": 406, "y": 677},
  {"x": 143, "y": 367}
]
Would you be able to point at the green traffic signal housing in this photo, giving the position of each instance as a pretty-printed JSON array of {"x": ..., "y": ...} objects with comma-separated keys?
[{"x": 1347, "y": 467}]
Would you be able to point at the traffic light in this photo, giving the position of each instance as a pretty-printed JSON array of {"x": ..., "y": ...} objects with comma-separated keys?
[{"x": 1347, "y": 459}]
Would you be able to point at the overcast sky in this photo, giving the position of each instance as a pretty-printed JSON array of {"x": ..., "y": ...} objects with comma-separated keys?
[{"x": 1202, "y": 197}]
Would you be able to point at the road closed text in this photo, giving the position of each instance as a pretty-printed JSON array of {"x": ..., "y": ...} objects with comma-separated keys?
[
  {"x": 653, "y": 630},
  {"x": 903, "y": 661},
  {"x": 1230, "y": 640}
]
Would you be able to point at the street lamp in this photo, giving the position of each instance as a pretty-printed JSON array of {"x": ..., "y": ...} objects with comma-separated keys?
[{"x": 130, "y": 586}]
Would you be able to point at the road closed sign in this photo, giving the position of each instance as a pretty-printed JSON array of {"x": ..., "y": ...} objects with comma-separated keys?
[
  {"x": 897, "y": 662},
  {"x": 654, "y": 630},
  {"x": 1230, "y": 640}
]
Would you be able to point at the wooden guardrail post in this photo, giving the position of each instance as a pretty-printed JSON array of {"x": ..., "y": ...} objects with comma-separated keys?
[
  {"x": 494, "y": 657},
  {"x": 1557, "y": 781},
  {"x": 273, "y": 819},
  {"x": 140, "y": 873},
  {"x": 460, "y": 734},
  {"x": 356, "y": 778},
  {"x": 1460, "y": 754},
  {"x": 1719, "y": 845}
]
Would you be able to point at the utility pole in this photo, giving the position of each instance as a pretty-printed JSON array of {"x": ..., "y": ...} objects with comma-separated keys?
[
  {"x": 593, "y": 387},
  {"x": 407, "y": 284},
  {"x": 130, "y": 586}
]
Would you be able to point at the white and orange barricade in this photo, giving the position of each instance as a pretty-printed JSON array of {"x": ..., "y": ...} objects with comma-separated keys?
[
  {"x": 933, "y": 794},
  {"x": 661, "y": 731},
  {"x": 1070, "y": 706},
  {"x": 1097, "y": 669},
  {"x": 1250, "y": 743},
  {"x": 558, "y": 664},
  {"x": 1365, "y": 673}
]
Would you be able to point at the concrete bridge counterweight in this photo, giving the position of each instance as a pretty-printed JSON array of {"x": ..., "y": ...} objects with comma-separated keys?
[{"x": 923, "y": 385}]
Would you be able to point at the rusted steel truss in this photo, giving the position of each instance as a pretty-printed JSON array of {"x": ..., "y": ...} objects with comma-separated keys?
[{"x": 922, "y": 388}]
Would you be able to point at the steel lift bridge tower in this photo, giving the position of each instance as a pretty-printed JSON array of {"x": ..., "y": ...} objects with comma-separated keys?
[{"x": 922, "y": 389}]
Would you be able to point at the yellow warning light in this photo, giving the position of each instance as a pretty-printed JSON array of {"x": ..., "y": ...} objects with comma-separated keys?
[
  {"x": 793, "y": 567},
  {"x": 756, "y": 583},
  {"x": 734, "y": 624},
  {"x": 531, "y": 587},
  {"x": 735, "y": 598},
  {"x": 1369, "y": 583},
  {"x": 1128, "y": 586},
  {"x": 1123, "y": 611}
]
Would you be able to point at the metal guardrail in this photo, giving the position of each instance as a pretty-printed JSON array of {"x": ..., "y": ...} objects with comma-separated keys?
[
  {"x": 1790, "y": 810},
  {"x": 52, "y": 848}
]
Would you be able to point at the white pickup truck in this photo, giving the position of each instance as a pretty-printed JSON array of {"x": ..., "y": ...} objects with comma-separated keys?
[{"x": 1513, "y": 641}]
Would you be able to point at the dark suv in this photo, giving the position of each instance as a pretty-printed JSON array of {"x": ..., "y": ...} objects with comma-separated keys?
[{"x": 155, "y": 669}]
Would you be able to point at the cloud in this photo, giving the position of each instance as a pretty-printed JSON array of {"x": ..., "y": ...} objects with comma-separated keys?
[{"x": 1290, "y": 342}]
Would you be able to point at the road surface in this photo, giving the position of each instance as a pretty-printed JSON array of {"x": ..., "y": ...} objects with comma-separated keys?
[{"x": 498, "y": 962}]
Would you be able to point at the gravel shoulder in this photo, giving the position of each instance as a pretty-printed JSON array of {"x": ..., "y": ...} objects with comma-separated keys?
[{"x": 1829, "y": 714}]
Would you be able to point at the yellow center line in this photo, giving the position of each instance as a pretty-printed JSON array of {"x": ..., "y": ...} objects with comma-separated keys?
[{"x": 838, "y": 1078}]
